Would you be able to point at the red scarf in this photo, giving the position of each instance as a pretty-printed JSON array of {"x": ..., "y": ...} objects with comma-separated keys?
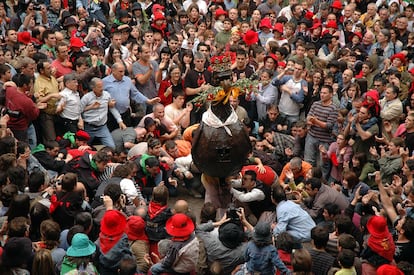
[
  {"x": 106, "y": 242},
  {"x": 155, "y": 208}
]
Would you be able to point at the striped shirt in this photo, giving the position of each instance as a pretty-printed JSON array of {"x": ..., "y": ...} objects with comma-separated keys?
[{"x": 328, "y": 114}]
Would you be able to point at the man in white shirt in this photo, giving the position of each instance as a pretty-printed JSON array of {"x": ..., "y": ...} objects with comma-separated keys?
[{"x": 68, "y": 108}]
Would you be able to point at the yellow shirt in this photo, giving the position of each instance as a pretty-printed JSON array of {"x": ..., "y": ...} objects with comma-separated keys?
[
  {"x": 44, "y": 86},
  {"x": 369, "y": 23}
]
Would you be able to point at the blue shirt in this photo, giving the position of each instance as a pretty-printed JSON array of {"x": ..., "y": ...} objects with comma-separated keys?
[
  {"x": 99, "y": 116},
  {"x": 293, "y": 219},
  {"x": 123, "y": 91}
]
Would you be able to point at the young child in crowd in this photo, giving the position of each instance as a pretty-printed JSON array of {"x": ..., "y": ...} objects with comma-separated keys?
[
  {"x": 182, "y": 255},
  {"x": 261, "y": 255}
]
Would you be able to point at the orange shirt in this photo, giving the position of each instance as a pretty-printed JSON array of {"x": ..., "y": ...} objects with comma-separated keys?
[{"x": 306, "y": 166}]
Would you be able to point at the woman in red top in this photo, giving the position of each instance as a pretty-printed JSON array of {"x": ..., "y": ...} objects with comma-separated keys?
[{"x": 172, "y": 83}]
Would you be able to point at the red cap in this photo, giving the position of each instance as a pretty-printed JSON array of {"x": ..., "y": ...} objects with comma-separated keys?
[
  {"x": 337, "y": 5},
  {"x": 135, "y": 228},
  {"x": 82, "y": 135},
  {"x": 272, "y": 56},
  {"x": 24, "y": 37},
  {"x": 220, "y": 12},
  {"x": 400, "y": 56},
  {"x": 309, "y": 15},
  {"x": 158, "y": 16},
  {"x": 155, "y": 7},
  {"x": 357, "y": 34},
  {"x": 332, "y": 24},
  {"x": 76, "y": 42},
  {"x": 316, "y": 25},
  {"x": 281, "y": 64},
  {"x": 278, "y": 27},
  {"x": 265, "y": 23}
]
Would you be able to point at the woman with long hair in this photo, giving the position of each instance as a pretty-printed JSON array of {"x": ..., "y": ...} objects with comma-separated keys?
[
  {"x": 135, "y": 35},
  {"x": 351, "y": 93},
  {"x": 201, "y": 28},
  {"x": 193, "y": 14},
  {"x": 361, "y": 167},
  {"x": 338, "y": 153},
  {"x": 113, "y": 56},
  {"x": 186, "y": 62},
  {"x": 350, "y": 183},
  {"x": 50, "y": 235},
  {"x": 172, "y": 83},
  {"x": 43, "y": 263},
  {"x": 255, "y": 20}
]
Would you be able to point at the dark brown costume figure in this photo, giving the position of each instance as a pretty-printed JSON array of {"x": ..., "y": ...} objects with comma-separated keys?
[{"x": 220, "y": 144}]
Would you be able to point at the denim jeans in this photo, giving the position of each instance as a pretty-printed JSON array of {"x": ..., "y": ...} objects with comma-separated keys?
[
  {"x": 100, "y": 132},
  {"x": 312, "y": 154},
  {"x": 158, "y": 269}
]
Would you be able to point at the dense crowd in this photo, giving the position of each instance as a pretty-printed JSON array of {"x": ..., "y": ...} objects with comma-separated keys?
[{"x": 101, "y": 100}]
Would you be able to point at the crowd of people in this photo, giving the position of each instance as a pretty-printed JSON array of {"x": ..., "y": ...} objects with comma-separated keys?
[{"x": 100, "y": 102}]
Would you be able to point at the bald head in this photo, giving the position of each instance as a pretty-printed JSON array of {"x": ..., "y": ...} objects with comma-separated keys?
[
  {"x": 181, "y": 206},
  {"x": 118, "y": 71}
]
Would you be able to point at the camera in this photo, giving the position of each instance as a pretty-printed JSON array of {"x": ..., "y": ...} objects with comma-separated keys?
[
  {"x": 233, "y": 214},
  {"x": 56, "y": 181},
  {"x": 379, "y": 52}
]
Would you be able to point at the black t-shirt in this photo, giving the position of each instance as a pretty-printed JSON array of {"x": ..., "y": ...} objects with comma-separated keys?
[
  {"x": 195, "y": 79},
  {"x": 409, "y": 142},
  {"x": 404, "y": 252}
]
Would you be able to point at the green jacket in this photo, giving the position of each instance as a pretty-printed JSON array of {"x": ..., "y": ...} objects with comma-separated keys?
[
  {"x": 390, "y": 165},
  {"x": 70, "y": 268}
]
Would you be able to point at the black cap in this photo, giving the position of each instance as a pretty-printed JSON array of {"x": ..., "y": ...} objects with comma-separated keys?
[
  {"x": 123, "y": 13},
  {"x": 136, "y": 6}
]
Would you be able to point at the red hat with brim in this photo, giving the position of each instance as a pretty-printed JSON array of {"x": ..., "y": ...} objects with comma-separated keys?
[
  {"x": 332, "y": 24},
  {"x": 220, "y": 12},
  {"x": 251, "y": 37},
  {"x": 158, "y": 16},
  {"x": 278, "y": 27},
  {"x": 113, "y": 223},
  {"x": 265, "y": 23},
  {"x": 387, "y": 269},
  {"x": 76, "y": 42},
  {"x": 400, "y": 56},
  {"x": 24, "y": 37},
  {"x": 179, "y": 225},
  {"x": 337, "y": 5}
]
